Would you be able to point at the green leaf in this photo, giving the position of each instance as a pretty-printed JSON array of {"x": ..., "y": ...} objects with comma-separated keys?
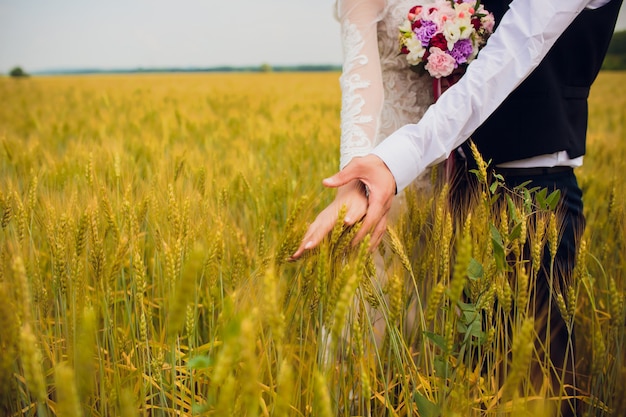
[
  {"x": 541, "y": 198},
  {"x": 467, "y": 307},
  {"x": 498, "y": 247},
  {"x": 512, "y": 209},
  {"x": 475, "y": 270},
  {"x": 528, "y": 201},
  {"x": 461, "y": 327},
  {"x": 472, "y": 331},
  {"x": 469, "y": 316},
  {"x": 553, "y": 199},
  {"x": 475, "y": 329},
  {"x": 516, "y": 232},
  {"x": 493, "y": 187},
  {"x": 441, "y": 367},
  {"x": 437, "y": 339},
  {"x": 425, "y": 407},
  {"x": 524, "y": 184}
]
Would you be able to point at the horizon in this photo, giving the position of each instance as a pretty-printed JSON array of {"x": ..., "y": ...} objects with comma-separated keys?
[{"x": 218, "y": 68}]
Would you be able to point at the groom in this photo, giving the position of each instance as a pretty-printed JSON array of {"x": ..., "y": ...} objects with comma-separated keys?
[{"x": 524, "y": 103}]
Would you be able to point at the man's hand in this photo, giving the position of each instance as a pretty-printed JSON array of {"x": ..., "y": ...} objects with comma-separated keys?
[{"x": 371, "y": 172}]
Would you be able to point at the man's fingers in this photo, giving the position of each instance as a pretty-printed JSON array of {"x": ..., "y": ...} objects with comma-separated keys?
[
  {"x": 351, "y": 172},
  {"x": 378, "y": 233},
  {"x": 341, "y": 178},
  {"x": 375, "y": 212}
]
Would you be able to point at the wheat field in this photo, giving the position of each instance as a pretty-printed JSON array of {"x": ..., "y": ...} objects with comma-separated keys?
[{"x": 146, "y": 222}]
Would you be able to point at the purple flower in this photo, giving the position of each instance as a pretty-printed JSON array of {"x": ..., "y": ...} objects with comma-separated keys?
[
  {"x": 462, "y": 50},
  {"x": 425, "y": 32}
]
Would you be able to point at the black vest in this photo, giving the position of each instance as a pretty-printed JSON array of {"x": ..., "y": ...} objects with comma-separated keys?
[{"x": 547, "y": 113}]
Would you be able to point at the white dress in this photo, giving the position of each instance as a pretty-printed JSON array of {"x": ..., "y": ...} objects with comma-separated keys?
[{"x": 379, "y": 92}]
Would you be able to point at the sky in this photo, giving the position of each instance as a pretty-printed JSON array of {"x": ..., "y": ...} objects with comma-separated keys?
[{"x": 41, "y": 35}]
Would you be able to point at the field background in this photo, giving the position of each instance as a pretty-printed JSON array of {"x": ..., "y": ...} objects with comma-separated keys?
[{"x": 146, "y": 221}]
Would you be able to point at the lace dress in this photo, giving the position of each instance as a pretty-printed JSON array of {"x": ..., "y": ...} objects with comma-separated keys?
[{"x": 379, "y": 91}]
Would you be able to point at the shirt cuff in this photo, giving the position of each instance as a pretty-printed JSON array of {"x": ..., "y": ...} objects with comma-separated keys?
[{"x": 401, "y": 156}]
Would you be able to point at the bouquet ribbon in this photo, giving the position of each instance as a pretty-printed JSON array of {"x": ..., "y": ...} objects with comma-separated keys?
[{"x": 440, "y": 85}]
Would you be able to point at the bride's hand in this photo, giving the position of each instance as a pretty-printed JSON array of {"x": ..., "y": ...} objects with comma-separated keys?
[
  {"x": 368, "y": 171},
  {"x": 351, "y": 195}
]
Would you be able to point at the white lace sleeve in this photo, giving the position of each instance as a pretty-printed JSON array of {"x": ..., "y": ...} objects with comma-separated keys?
[{"x": 361, "y": 80}]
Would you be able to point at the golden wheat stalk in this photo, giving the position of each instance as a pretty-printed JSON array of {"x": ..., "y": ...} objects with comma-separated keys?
[
  {"x": 7, "y": 210},
  {"x": 521, "y": 352},
  {"x": 398, "y": 248},
  {"x": 85, "y": 354},
  {"x": 31, "y": 359},
  {"x": 284, "y": 389},
  {"x": 9, "y": 343},
  {"x": 480, "y": 162},
  {"x": 68, "y": 402},
  {"x": 272, "y": 307},
  {"x": 322, "y": 406},
  {"x": 344, "y": 301}
]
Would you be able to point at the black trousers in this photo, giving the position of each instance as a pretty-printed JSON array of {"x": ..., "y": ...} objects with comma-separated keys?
[{"x": 549, "y": 323}]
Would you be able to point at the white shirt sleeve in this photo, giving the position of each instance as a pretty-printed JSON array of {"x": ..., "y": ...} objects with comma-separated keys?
[
  {"x": 361, "y": 78},
  {"x": 524, "y": 36}
]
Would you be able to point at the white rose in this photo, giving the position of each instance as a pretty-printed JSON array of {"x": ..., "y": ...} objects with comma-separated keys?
[
  {"x": 452, "y": 33},
  {"x": 416, "y": 51}
]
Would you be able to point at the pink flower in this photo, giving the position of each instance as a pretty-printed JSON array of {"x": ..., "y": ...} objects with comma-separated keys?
[
  {"x": 440, "y": 64},
  {"x": 488, "y": 22},
  {"x": 440, "y": 13}
]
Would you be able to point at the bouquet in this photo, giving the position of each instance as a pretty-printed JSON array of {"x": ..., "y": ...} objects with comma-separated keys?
[{"x": 445, "y": 35}]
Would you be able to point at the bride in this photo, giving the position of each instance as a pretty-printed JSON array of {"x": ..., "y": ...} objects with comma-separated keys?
[{"x": 379, "y": 95}]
